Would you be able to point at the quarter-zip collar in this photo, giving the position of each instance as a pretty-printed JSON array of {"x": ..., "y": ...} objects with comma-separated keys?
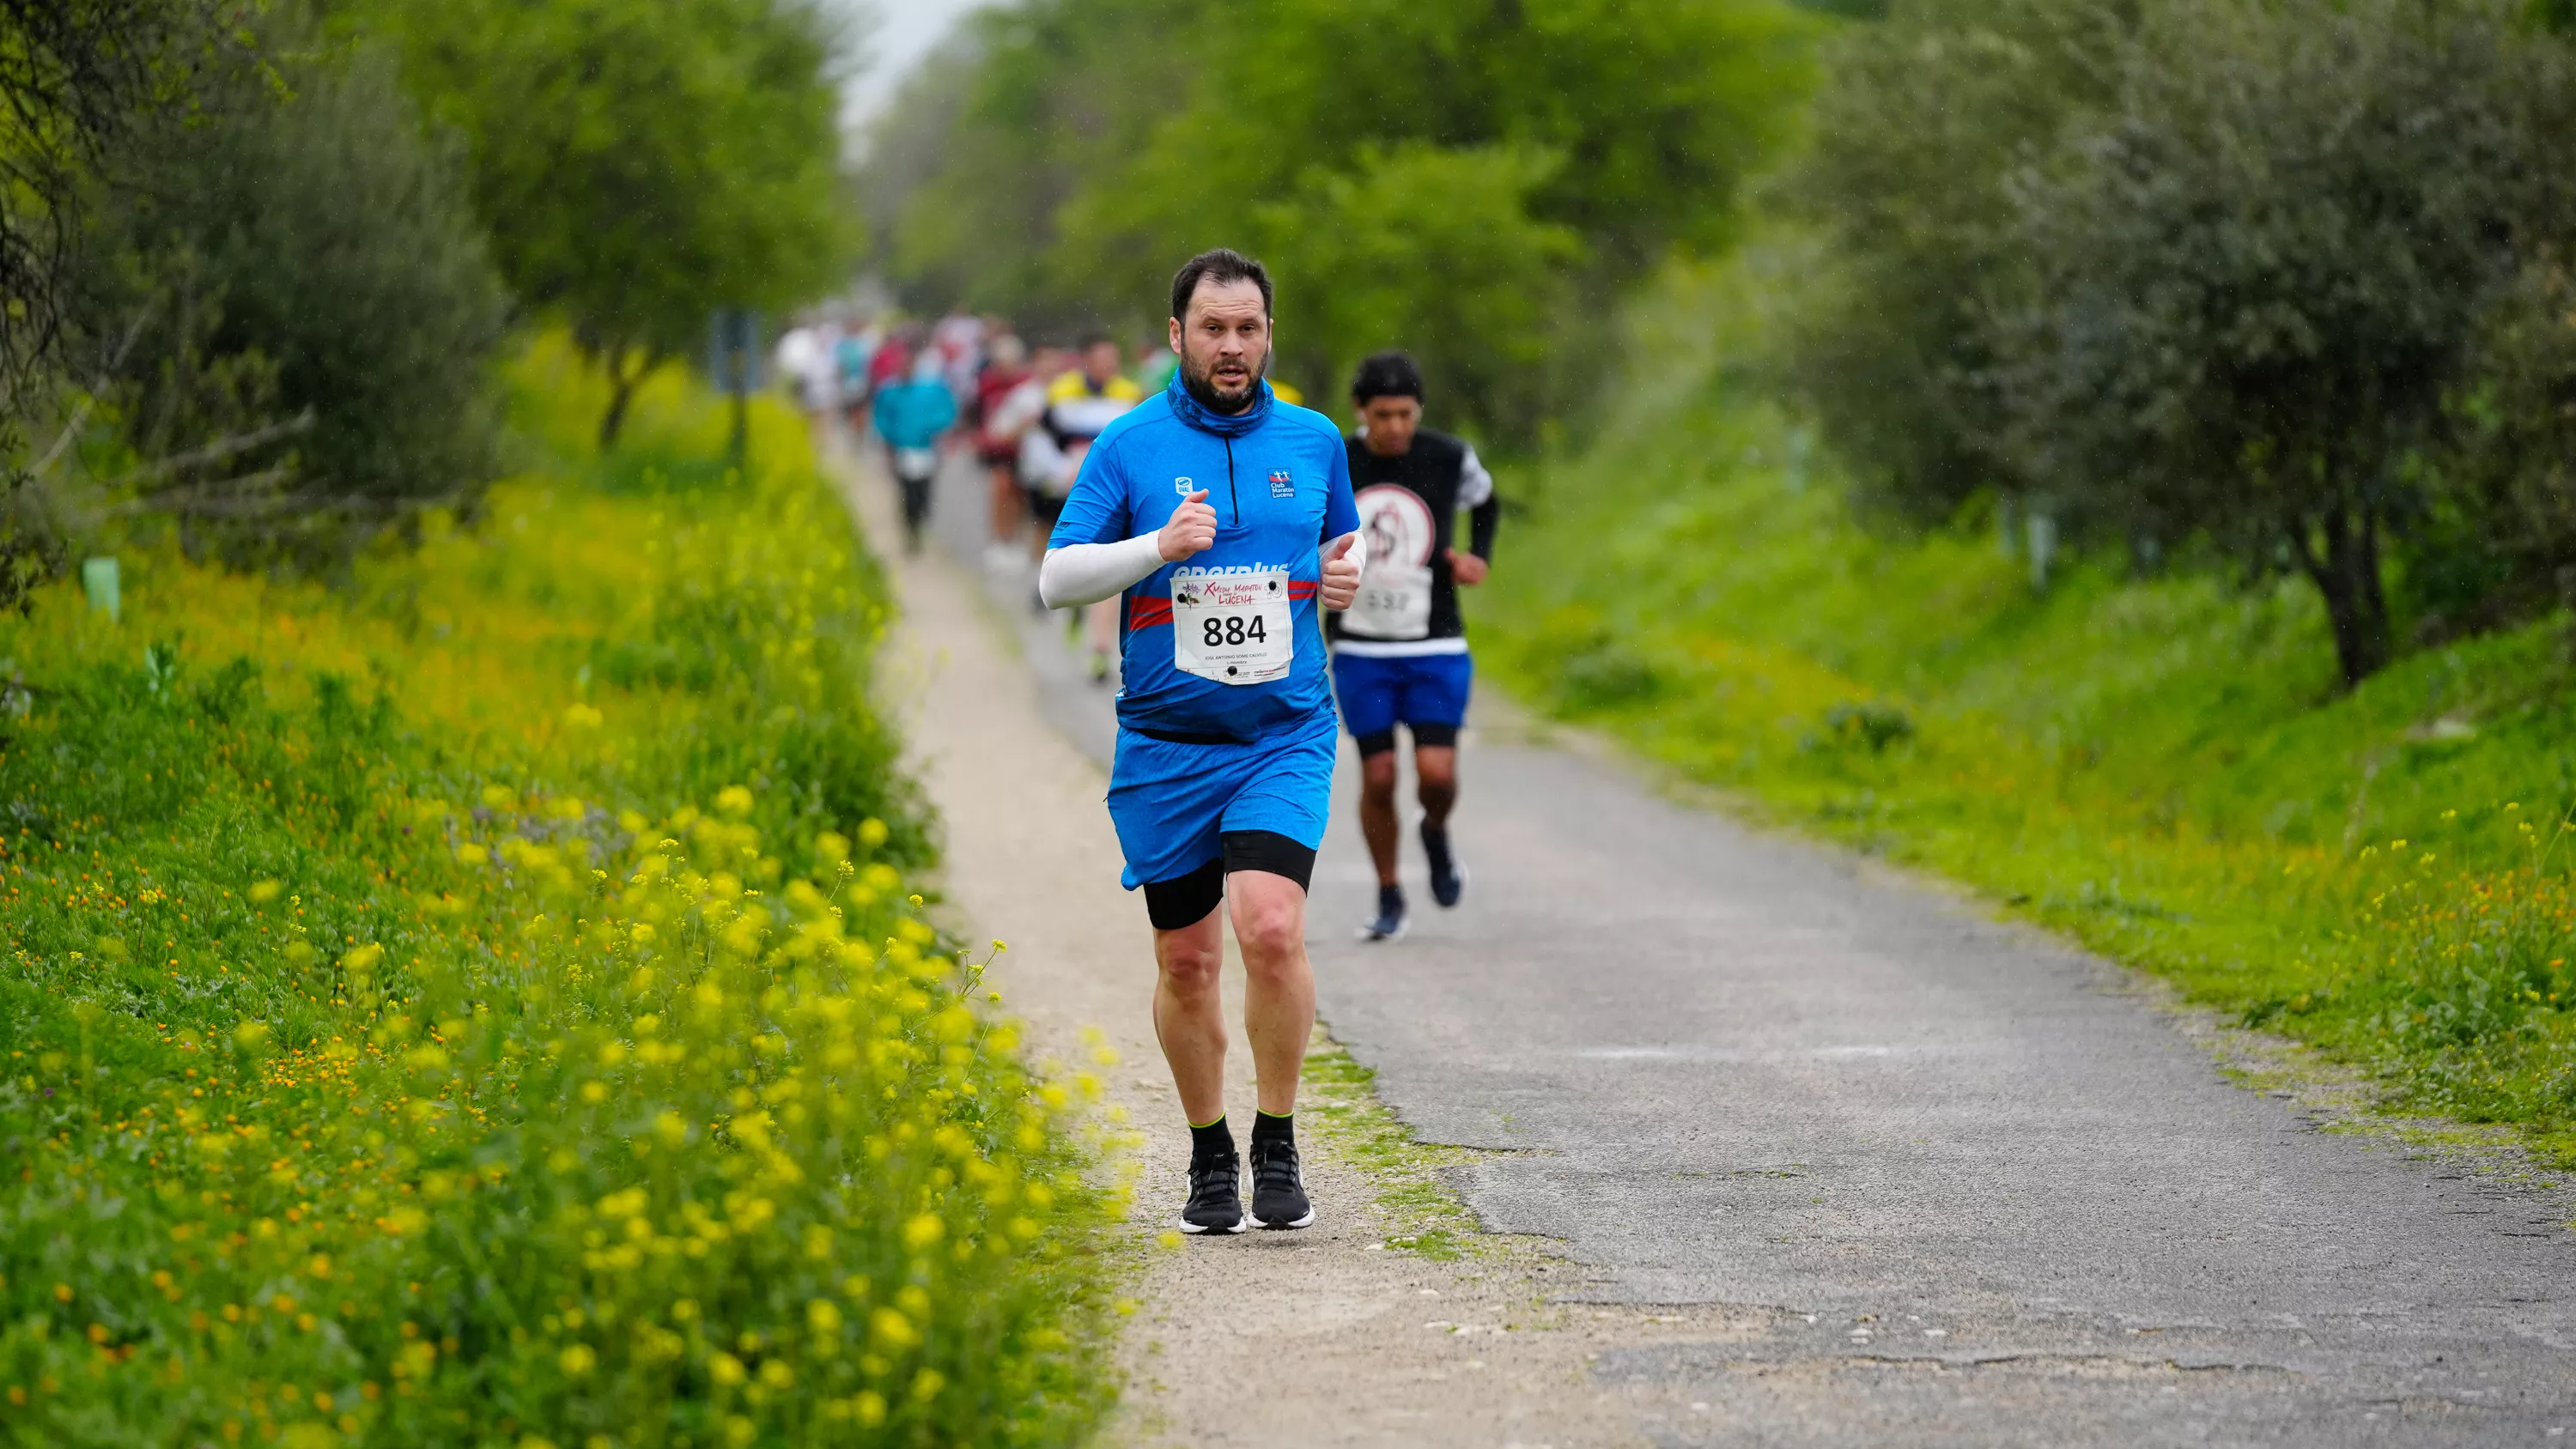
[{"x": 1224, "y": 425}]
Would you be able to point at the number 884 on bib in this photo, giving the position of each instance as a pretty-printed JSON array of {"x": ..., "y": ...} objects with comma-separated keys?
[{"x": 1234, "y": 628}]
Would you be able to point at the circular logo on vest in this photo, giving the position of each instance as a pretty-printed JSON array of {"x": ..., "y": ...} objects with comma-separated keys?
[{"x": 1396, "y": 524}]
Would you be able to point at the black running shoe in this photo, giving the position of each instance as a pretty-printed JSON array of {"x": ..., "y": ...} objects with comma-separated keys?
[
  {"x": 1216, "y": 1196},
  {"x": 1278, "y": 1194},
  {"x": 1448, "y": 877},
  {"x": 1390, "y": 916}
]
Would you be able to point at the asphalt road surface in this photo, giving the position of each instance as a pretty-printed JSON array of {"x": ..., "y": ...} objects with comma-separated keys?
[{"x": 1968, "y": 1187}]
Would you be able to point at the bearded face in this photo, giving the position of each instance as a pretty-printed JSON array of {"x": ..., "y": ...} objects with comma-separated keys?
[{"x": 1224, "y": 344}]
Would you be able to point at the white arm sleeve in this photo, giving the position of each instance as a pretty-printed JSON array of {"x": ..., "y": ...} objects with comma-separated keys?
[
  {"x": 1086, "y": 573},
  {"x": 1475, "y": 485},
  {"x": 1359, "y": 548}
]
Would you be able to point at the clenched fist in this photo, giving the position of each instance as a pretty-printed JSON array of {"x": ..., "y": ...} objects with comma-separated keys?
[
  {"x": 1191, "y": 529},
  {"x": 1341, "y": 573}
]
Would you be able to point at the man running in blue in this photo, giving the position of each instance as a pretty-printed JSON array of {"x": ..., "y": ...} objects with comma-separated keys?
[
  {"x": 1400, "y": 654},
  {"x": 1222, "y": 517}
]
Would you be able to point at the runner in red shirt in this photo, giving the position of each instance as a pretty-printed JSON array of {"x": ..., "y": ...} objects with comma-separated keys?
[
  {"x": 997, "y": 443},
  {"x": 893, "y": 361}
]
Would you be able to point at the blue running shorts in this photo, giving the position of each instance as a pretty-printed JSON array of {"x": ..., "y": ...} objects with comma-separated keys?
[
  {"x": 1171, "y": 802},
  {"x": 1416, "y": 690}
]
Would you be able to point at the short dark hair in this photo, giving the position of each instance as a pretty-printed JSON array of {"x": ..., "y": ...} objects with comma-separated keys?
[
  {"x": 1386, "y": 374},
  {"x": 1093, "y": 339},
  {"x": 1223, "y": 266}
]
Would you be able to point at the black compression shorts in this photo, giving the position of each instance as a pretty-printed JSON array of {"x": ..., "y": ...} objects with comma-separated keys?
[
  {"x": 1186, "y": 900},
  {"x": 1434, "y": 736}
]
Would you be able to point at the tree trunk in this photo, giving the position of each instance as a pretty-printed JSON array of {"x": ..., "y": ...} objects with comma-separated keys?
[
  {"x": 2347, "y": 576},
  {"x": 620, "y": 393},
  {"x": 621, "y": 389}
]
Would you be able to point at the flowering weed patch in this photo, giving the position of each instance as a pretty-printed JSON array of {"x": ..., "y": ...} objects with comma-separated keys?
[
  {"x": 483, "y": 1004},
  {"x": 2460, "y": 984}
]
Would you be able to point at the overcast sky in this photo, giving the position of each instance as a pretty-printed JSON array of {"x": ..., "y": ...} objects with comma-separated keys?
[{"x": 904, "y": 32}]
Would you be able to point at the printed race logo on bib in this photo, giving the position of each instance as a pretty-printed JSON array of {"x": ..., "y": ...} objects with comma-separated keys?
[
  {"x": 1233, "y": 625},
  {"x": 1394, "y": 601}
]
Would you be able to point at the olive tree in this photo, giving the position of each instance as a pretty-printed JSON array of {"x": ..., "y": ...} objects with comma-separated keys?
[
  {"x": 1921, "y": 120},
  {"x": 2256, "y": 275},
  {"x": 641, "y": 162},
  {"x": 289, "y": 301}
]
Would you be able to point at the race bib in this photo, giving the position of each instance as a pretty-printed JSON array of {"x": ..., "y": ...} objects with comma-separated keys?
[
  {"x": 1394, "y": 602},
  {"x": 1234, "y": 628}
]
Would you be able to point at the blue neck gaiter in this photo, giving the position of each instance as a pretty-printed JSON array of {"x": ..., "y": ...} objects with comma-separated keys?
[{"x": 1224, "y": 425}]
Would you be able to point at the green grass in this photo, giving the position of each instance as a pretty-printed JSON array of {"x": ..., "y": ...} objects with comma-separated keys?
[
  {"x": 2164, "y": 768},
  {"x": 1424, "y": 1217},
  {"x": 482, "y": 1004}
]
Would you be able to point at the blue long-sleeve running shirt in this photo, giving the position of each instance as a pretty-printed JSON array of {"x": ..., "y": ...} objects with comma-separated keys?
[{"x": 1280, "y": 482}]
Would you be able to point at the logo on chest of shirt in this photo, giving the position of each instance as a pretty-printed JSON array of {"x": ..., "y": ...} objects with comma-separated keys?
[{"x": 1281, "y": 485}]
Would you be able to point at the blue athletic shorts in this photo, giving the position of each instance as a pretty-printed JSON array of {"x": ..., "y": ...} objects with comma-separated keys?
[
  {"x": 1172, "y": 802},
  {"x": 1419, "y": 689}
]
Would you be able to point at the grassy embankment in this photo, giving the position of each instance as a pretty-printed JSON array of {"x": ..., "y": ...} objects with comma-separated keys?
[
  {"x": 2165, "y": 769},
  {"x": 481, "y": 1004}
]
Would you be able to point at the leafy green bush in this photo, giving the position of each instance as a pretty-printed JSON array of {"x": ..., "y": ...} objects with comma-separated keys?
[
  {"x": 288, "y": 300},
  {"x": 412, "y": 1036},
  {"x": 1869, "y": 724},
  {"x": 1404, "y": 214},
  {"x": 2514, "y": 459},
  {"x": 1920, "y": 126}
]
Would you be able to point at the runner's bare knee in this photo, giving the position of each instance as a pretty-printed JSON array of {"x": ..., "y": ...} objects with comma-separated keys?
[
  {"x": 1267, "y": 874},
  {"x": 1192, "y": 957},
  {"x": 1191, "y": 967},
  {"x": 1270, "y": 924},
  {"x": 1435, "y": 769}
]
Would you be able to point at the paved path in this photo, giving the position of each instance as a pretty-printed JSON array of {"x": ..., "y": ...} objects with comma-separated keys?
[
  {"x": 2019, "y": 1205},
  {"x": 1945, "y": 1182}
]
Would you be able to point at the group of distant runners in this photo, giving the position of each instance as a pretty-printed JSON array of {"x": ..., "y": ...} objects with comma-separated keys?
[
  {"x": 1258, "y": 565},
  {"x": 1242, "y": 566}
]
